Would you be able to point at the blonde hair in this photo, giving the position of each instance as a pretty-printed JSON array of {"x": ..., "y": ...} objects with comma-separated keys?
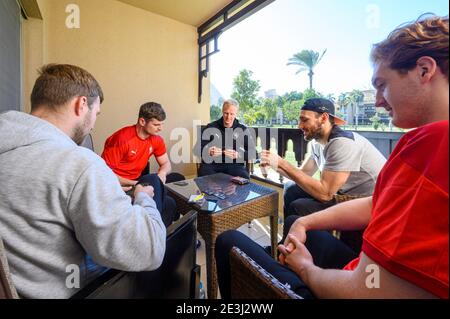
[{"x": 231, "y": 102}]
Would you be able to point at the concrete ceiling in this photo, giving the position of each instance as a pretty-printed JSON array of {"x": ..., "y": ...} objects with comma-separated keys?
[{"x": 192, "y": 12}]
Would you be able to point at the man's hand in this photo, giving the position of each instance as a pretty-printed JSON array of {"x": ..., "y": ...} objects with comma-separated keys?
[
  {"x": 162, "y": 177},
  {"x": 145, "y": 189},
  {"x": 270, "y": 159},
  {"x": 231, "y": 154},
  {"x": 125, "y": 183},
  {"x": 297, "y": 230},
  {"x": 297, "y": 258},
  {"x": 215, "y": 151},
  {"x": 126, "y": 188}
]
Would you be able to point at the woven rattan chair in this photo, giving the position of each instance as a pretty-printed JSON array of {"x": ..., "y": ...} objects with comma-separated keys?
[
  {"x": 251, "y": 281},
  {"x": 7, "y": 289}
]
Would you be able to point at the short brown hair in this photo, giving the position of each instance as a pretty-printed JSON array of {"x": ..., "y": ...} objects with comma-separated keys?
[
  {"x": 58, "y": 83},
  {"x": 152, "y": 110},
  {"x": 427, "y": 36}
]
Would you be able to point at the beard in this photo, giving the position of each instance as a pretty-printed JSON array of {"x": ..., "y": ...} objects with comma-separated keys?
[
  {"x": 81, "y": 131},
  {"x": 313, "y": 134}
]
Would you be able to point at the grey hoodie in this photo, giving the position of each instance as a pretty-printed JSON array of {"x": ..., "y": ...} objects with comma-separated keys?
[{"x": 59, "y": 203}]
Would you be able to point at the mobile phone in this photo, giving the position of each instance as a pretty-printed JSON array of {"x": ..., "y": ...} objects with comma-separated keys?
[{"x": 240, "y": 180}]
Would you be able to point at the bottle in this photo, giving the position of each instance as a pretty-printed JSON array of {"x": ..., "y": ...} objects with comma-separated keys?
[{"x": 201, "y": 294}]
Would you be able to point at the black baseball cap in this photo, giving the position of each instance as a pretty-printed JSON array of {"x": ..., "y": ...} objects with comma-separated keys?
[{"x": 321, "y": 105}]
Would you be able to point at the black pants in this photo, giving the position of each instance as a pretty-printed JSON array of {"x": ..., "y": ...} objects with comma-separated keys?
[
  {"x": 298, "y": 202},
  {"x": 327, "y": 252},
  {"x": 166, "y": 205},
  {"x": 230, "y": 169}
]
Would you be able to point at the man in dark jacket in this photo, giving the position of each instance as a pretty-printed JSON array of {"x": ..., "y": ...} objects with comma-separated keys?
[{"x": 226, "y": 144}]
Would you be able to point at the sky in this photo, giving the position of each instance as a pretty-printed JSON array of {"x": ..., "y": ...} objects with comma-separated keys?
[{"x": 347, "y": 29}]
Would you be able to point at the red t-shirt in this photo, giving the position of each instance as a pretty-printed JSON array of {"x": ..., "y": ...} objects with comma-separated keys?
[
  {"x": 127, "y": 154},
  {"x": 408, "y": 232}
]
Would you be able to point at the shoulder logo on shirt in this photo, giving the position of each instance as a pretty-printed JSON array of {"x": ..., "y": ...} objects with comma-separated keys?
[{"x": 133, "y": 152}]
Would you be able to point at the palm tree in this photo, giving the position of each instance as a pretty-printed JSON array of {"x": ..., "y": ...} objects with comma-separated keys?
[
  {"x": 307, "y": 60},
  {"x": 356, "y": 97}
]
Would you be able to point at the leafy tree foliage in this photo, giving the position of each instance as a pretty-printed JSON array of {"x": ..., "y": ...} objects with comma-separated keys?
[
  {"x": 307, "y": 60},
  {"x": 245, "y": 90},
  {"x": 215, "y": 112}
]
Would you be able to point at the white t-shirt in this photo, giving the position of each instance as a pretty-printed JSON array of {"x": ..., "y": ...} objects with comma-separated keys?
[{"x": 350, "y": 152}]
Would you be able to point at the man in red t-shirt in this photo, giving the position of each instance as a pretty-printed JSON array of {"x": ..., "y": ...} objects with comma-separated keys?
[
  {"x": 127, "y": 152},
  {"x": 405, "y": 243}
]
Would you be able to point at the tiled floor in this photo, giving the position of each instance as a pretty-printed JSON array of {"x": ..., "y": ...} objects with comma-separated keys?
[{"x": 259, "y": 232}]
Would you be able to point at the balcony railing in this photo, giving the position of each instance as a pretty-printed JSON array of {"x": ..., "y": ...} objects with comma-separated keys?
[
  {"x": 385, "y": 142},
  {"x": 289, "y": 142}
]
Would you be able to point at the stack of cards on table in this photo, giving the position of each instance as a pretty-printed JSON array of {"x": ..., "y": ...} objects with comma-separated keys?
[{"x": 197, "y": 199}]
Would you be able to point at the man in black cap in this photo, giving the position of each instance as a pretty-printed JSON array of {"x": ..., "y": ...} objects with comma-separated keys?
[{"x": 348, "y": 163}]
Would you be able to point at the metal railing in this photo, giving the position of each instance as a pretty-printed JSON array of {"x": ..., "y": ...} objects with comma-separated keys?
[
  {"x": 279, "y": 139},
  {"x": 385, "y": 142}
]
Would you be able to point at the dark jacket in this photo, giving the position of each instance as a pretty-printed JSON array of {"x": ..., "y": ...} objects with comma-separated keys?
[{"x": 238, "y": 138}]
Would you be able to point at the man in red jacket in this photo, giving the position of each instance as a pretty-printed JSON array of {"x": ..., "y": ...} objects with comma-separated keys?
[
  {"x": 405, "y": 243},
  {"x": 127, "y": 152}
]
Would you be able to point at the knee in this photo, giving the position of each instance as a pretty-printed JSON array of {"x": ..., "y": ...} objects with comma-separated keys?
[
  {"x": 288, "y": 189},
  {"x": 290, "y": 192},
  {"x": 226, "y": 240},
  {"x": 175, "y": 177},
  {"x": 151, "y": 179},
  {"x": 293, "y": 209},
  {"x": 299, "y": 207}
]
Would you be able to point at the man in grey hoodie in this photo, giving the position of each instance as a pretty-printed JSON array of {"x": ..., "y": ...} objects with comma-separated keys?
[{"x": 60, "y": 205}]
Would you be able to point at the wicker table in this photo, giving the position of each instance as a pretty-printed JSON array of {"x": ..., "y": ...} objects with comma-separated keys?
[{"x": 242, "y": 204}]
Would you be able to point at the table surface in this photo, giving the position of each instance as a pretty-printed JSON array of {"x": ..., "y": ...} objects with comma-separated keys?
[{"x": 219, "y": 184}]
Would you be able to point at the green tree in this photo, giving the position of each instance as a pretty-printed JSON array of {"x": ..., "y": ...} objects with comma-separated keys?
[
  {"x": 311, "y": 94},
  {"x": 307, "y": 60},
  {"x": 250, "y": 117},
  {"x": 292, "y": 96},
  {"x": 376, "y": 121},
  {"x": 269, "y": 107},
  {"x": 291, "y": 110},
  {"x": 215, "y": 112},
  {"x": 245, "y": 90},
  {"x": 343, "y": 100},
  {"x": 356, "y": 97},
  {"x": 260, "y": 115}
]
